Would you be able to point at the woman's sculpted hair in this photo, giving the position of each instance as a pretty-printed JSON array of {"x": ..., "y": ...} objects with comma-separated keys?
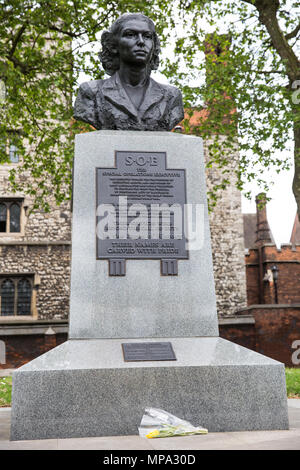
[{"x": 109, "y": 58}]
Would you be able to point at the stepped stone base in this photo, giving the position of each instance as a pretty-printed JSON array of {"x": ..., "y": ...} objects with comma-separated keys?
[{"x": 84, "y": 388}]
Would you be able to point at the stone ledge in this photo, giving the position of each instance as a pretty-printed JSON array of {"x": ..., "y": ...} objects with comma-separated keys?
[
  {"x": 240, "y": 320},
  {"x": 15, "y": 328},
  {"x": 34, "y": 243},
  {"x": 266, "y": 306},
  {"x": 277, "y": 261}
]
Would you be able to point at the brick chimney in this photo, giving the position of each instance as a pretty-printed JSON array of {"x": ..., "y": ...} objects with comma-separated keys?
[{"x": 263, "y": 234}]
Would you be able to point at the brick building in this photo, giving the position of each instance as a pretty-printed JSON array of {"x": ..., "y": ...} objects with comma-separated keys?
[
  {"x": 271, "y": 322},
  {"x": 34, "y": 273},
  {"x": 295, "y": 236}
]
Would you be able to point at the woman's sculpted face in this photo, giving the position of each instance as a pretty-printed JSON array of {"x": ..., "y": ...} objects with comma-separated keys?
[{"x": 135, "y": 42}]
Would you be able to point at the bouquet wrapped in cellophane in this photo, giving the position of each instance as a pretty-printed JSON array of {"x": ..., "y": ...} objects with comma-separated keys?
[{"x": 159, "y": 423}]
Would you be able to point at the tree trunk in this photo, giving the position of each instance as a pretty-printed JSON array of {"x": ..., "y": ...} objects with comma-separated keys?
[{"x": 268, "y": 17}]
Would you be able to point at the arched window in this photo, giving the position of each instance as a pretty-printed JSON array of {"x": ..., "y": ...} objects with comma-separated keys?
[
  {"x": 7, "y": 297},
  {"x": 10, "y": 216},
  {"x": 16, "y": 295},
  {"x": 14, "y": 223},
  {"x": 3, "y": 218},
  {"x": 13, "y": 153},
  {"x": 24, "y": 297},
  {"x": 9, "y": 144}
]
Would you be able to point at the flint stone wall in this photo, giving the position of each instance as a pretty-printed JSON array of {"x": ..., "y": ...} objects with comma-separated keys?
[
  {"x": 227, "y": 238},
  {"x": 52, "y": 264}
]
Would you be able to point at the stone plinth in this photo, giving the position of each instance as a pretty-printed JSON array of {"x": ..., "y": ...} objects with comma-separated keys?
[{"x": 84, "y": 388}]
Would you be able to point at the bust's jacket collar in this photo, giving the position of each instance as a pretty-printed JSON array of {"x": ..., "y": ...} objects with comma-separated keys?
[{"x": 153, "y": 95}]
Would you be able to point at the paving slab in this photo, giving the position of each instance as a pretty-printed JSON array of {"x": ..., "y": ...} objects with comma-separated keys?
[
  {"x": 294, "y": 403},
  {"x": 6, "y": 372}
]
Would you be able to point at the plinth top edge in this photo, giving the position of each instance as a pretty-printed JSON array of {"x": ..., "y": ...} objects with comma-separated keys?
[{"x": 114, "y": 133}]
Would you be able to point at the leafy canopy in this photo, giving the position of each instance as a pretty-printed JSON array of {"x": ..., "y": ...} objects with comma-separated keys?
[
  {"x": 44, "y": 46},
  {"x": 246, "y": 83}
]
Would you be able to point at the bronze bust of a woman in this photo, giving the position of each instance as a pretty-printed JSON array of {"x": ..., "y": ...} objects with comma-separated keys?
[{"x": 130, "y": 99}]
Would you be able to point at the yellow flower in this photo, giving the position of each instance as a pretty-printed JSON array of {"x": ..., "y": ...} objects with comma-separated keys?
[{"x": 152, "y": 434}]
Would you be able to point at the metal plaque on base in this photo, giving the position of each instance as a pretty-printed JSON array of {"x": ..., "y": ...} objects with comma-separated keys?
[{"x": 157, "y": 351}]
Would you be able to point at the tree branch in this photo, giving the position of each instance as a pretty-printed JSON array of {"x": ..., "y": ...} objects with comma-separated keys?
[
  {"x": 21, "y": 65},
  {"x": 16, "y": 40},
  {"x": 267, "y": 72},
  {"x": 77, "y": 35},
  {"x": 267, "y": 16},
  {"x": 293, "y": 33},
  {"x": 67, "y": 33},
  {"x": 263, "y": 3}
]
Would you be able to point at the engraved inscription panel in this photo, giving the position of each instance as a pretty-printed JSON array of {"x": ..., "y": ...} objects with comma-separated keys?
[
  {"x": 156, "y": 351},
  {"x": 147, "y": 197}
]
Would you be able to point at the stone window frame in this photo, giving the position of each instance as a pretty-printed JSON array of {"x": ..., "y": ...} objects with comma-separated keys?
[
  {"x": 9, "y": 201},
  {"x": 10, "y": 142},
  {"x": 16, "y": 277}
]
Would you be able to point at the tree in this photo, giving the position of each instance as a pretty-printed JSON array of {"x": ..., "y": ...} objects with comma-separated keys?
[
  {"x": 252, "y": 60},
  {"x": 250, "y": 92},
  {"x": 44, "y": 45}
]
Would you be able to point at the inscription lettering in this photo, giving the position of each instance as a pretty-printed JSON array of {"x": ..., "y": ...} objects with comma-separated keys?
[
  {"x": 155, "y": 197},
  {"x": 141, "y": 160}
]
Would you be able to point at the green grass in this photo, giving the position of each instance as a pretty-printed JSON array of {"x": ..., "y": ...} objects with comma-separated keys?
[
  {"x": 293, "y": 382},
  {"x": 5, "y": 391},
  {"x": 292, "y": 386}
]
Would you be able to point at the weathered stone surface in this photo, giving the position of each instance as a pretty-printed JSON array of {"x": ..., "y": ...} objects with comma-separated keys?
[
  {"x": 227, "y": 239},
  {"x": 42, "y": 249}
]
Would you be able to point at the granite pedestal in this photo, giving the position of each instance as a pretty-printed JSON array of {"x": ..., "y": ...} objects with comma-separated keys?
[{"x": 84, "y": 387}]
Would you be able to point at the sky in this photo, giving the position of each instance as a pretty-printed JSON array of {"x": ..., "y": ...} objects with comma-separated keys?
[{"x": 281, "y": 210}]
